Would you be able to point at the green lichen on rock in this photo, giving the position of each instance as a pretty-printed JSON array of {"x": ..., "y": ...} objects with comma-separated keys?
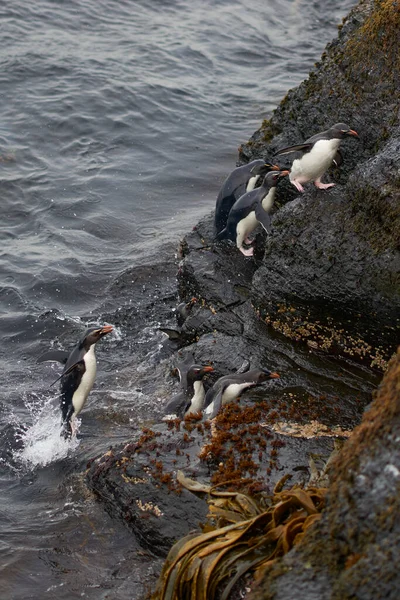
[
  {"x": 375, "y": 215},
  {"x": 269, "y": 130},
  {"x": 373, "y": 51}
]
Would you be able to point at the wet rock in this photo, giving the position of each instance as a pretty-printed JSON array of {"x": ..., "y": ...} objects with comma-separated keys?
[
  {"x": 135, "y": 483},
  {"x": 214, "y": 273},
  {"x": 351, "y": 552}
]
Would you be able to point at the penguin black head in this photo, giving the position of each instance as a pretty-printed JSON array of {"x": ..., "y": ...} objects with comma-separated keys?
[
  {"x": 265, "y": 374},
  {"x": 272, "y": 178},
  {"x": 183, "y": 309},
  {"x": 340, "y": 130},
  {"x": 264, "y": 169},
  {"x": 94, "y": 334},
  {"x": 197, "y": 372}
]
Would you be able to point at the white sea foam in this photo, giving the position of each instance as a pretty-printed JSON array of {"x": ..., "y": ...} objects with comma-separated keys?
[{"x": 42, "y": 442}]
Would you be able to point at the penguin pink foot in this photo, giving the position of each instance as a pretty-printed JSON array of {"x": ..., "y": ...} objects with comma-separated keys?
[
  {"x": 246, "y": 251},
  {"x": 298, "y": 186},
  {"x": 323, "y": 186},
  {"x": 74, "y": 427}
]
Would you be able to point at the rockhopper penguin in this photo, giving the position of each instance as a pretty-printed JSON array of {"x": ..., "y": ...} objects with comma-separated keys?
[
  {"x": 78, "y": 375},
  {"x": 191, "y": 398},
  {"x": 319, "y": 152},
  {"x": 229, "y": 387},
  {"x": 250, "y": 210},
  {"x": 242, "y": 179}
]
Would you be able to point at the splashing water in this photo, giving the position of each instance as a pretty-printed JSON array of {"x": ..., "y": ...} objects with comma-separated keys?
[{"x": 41, "y": 443}]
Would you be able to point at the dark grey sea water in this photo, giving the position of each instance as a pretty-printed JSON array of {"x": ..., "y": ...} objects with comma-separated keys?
[{"x": 119, "y": 120}]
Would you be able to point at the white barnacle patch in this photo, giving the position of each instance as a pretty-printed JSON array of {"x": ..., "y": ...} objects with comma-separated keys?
[
  {"x": 134, "y": 480},
  {"x": 149, "y": 507}
]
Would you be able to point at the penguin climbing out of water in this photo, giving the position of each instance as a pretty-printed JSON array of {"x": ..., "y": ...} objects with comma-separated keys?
[
  {"x": 319, "y": 152},
  {"x": 229, "y": 387},
  {"x": 250, "y": 210},
  {"x": 182, "y": 312},
  {"x": 191, "y": 398},
  {"x": 78, "y": 375},
  {"x": 242, "y": 179}
]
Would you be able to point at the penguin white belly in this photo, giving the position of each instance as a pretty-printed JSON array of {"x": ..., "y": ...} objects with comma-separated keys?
[
  {"x": 268, "y": 201},
  {"x": 86, "y": 383},
  {"x": 313, "y": 164},
  {"x": 197, "y": 401},
  {"x": 244, "y": 227},
  {"x": 251, "y": 184},
  {"x": 233, "y": 391}
]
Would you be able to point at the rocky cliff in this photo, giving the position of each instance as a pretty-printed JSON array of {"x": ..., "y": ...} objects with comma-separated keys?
[{"x": 333, "y": 256}]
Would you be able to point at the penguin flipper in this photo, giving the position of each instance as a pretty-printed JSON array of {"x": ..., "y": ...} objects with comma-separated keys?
[
  {"x": 338, "y": 160},
  {"x": 298, "y": 148},
  {"x": 244, "y": 367},
  {"x": 213, "y": 409},
  {"x": 173, "y": 334},
  {"x": 78, "y": 365},
  {"x": 60, "y": 356},
  {"x": 208, "y": 398},
  {"x": 263, "y": 217},
  {"x": 176, "y": 406},
  {"x": 222, "y": 235}
]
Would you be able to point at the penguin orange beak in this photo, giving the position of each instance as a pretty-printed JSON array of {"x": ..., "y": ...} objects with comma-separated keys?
[
  {"x": 284, "y": 173},
  {"x": 274, "y": 376},
  {"x": 273, "y": 167},
  {"x": 352, "y": 132},
  {"x": 208, "y": 369},
  {"x": 106, "y": 329}
]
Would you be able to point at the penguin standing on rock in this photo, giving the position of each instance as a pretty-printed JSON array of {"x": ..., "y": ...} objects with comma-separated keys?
[
  {"x": 78, "y": 375},
  {"x": 319, "y": 152},
  {"x": 229, "y": 387},
  {"x": 191, "y": 398},
  {"x": 242, "y": 179},
  {"x": 250, "y": 210}
]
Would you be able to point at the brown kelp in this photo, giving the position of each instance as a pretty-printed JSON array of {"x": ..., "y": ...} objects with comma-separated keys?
[{"x": 242, "y": 534}]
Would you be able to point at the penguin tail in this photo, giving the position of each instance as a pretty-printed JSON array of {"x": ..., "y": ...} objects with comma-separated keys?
[
  {"x": 66, "y": 431},
  {"x": 222, "y": 235}
]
